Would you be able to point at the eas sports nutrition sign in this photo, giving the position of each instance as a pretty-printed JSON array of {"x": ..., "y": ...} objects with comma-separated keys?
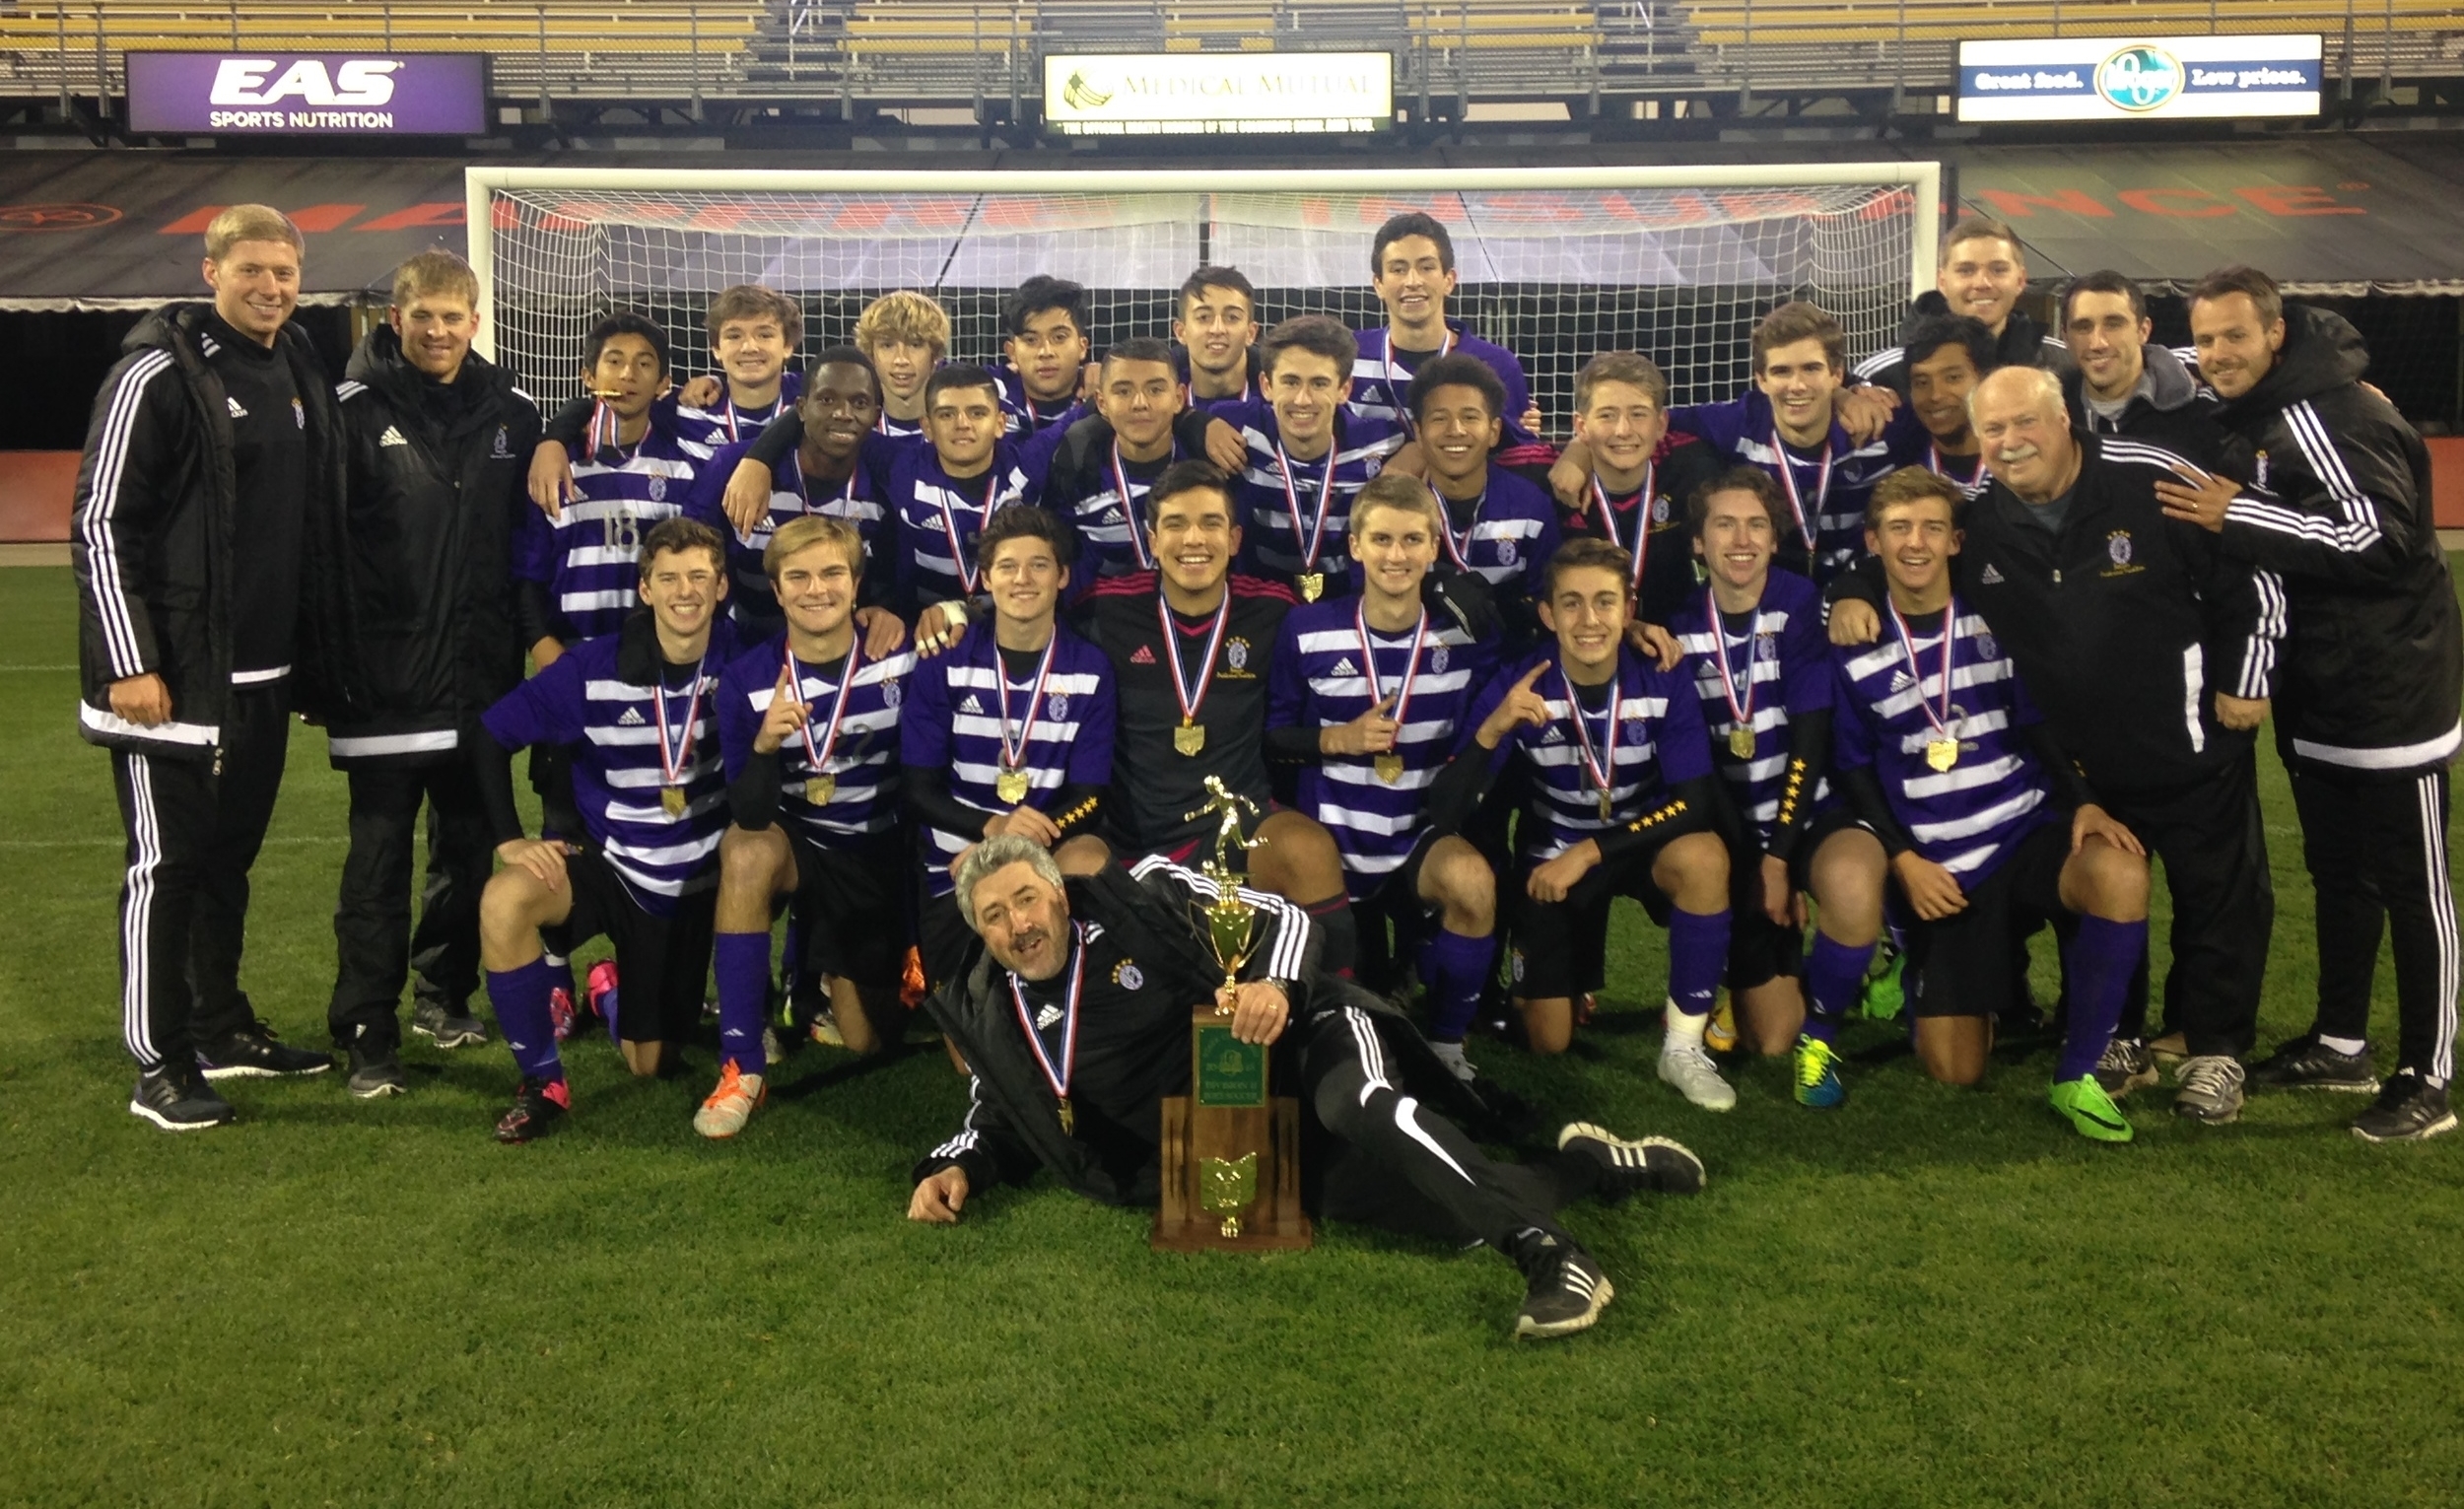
[
  {"x": 280, "y": 93},
  {"x": 2161, "y": 78}
]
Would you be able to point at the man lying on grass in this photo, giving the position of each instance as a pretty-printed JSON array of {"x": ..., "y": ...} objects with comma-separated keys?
[{"x": 1075, "y": 1024}]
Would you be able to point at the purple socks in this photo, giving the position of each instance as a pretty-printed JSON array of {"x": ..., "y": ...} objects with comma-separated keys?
[
  {"x": 1698, "y": 958},
  {"x": 1453, "y": 969},
  {"x": 2096, "y": 968},
  {"x": 520, "y": 998},
  {"x": 1834, "y": 973},
  {"x": 742, "y": 963}
]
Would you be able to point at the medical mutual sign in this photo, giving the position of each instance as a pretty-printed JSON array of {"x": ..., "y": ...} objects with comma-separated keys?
[
  {"x": 1132, "y": 93},
  {"x": 2123, "y": 78},
  {"x": 282, "y": 94}
]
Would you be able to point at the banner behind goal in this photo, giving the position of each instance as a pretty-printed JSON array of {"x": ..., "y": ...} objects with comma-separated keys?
[{"x": 1554, "y": 264}]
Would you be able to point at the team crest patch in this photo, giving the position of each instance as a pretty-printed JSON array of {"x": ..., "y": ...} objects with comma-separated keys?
[
  {"x": 1505, "y": 552},
  {"x": 1518, "y": 966},
  {"x": 504, "y": 451},
  {"x": 1659, "y": 509},
  {"x": 1437, "y": 661},
  {"x": 1236, "y": 655},
  {"x": 892, "y": 693},
  {"x": 1058, "y": 705},
  {"x": 1128, "y": 976},
  {"x": 658, "y": 489},
  {"x": 2117, "y": 549},
  {"x": 1987, "y": 646}
]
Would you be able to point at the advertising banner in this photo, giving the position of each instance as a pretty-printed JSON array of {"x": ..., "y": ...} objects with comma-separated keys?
[
  {"x": 286, "y": 93},
  {"x": 1127, "y": 93},
  {"x": 2142, "y": 78}
]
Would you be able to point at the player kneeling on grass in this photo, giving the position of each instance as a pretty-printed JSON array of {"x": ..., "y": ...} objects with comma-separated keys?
[
  {"x": 1623, "y": 804},
  {"x": 808, "y": 726},
  {"x": 1943, "y": 754},
  {"x": 1756, "y": 650},
  {"x": 1076, "y": 1022},
  {"x": 1367, "y": 694},
  {"x": 635, "y": 710}
]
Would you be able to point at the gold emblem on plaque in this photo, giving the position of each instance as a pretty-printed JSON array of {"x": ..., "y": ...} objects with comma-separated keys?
[{"x": 1226, "y": 1188}]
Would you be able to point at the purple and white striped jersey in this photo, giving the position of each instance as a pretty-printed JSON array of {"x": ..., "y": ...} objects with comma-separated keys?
[
  {"x": 1658, "y": 743},
  {"x": 1505, "y": 537},
  {"x": 940, "y": 517},
  {"x": 1276, "y": 543},
  {"x": 1382, "y": 378},
  {"x": 1324, "y": 676},
  {"x": 861, "y": 498},
  {"x": 1777, "y": 667},
  {"x": 1825, "y": 488},
  {"x": 613, "y": 725},
  {"x": 1888, "y": 702},
  {"x": 726, "y": 423},
  {"x": 588, "y": 556},
  {"x": 861, "y": 754},
  {"x": 1029, "y": 417},
  {"x": 959, "y": 704}
]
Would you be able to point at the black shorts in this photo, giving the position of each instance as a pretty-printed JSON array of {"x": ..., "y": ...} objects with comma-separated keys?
[
  {"x": 847, "y": 906},
  {"x": 1760, "y": 950},
  {"x": 661, "y": 962},
  {"x": 1561, "y": 947},
  {"x": 1397, "y": 901},
  {"x": 1960, "y": 966}
]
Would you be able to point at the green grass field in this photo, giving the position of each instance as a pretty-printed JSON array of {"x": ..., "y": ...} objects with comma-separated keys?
[{"x": 1932, "y": 1297}]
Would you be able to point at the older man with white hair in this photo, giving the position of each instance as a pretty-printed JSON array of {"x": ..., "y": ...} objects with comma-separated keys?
[
  {"x": 1074, "y": 1025},
  {"x": 2153, "y": 654}
]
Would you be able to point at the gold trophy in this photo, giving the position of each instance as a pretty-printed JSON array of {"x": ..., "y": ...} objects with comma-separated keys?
[{"x": 1231, "y": 1151}]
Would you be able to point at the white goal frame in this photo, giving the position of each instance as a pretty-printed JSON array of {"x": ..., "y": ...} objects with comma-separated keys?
[{"x": 480, "y": 184}]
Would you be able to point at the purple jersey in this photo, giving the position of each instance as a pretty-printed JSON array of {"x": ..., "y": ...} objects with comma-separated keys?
[
  {"x": 940, "y": 517},
  {"x": 1505, "y": 537},
  {"x": 587, "y": 556},
  {"x": 855, "y": 739},
  {"x": 961, "y": 703},
  {"x": 1645, "y": 737},
  {"x": 1029, "y": 417},
  {"x": 1773, "y": 666},
  {"x": 1825, "y": 487},
  {"x": 1382, "y": 376},
  {"x": 861, "y": 498},
  {"x": 1890, "y": 706},
  {"x": 1910, "y": 443},
  {"x": 629, "y": 742},
  {"x": 1278, "y": 540},
  {"x": 726, "y": 423},
  {"x": 1329, "y": 669}
]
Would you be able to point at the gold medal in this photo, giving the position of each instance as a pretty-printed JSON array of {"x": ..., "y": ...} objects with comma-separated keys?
[
  {"x": 671, "y": 797},
  {"x": 818, "y": 789},
  {"x": 1389, "y": 767},
  {"x": 1312, "y": 586},
  {"x": 1942, "y": 754},
  {"x": 1068, "y": 1119},
  {"x": 1010, "y": 785},
  {"x": 1608, "y": 806},
  {"x": 1189, "y": 738},
  {"x": 1740, "y": 743}
]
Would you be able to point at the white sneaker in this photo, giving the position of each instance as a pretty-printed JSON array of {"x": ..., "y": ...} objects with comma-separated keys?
[
  {"x": 1696, "y": 1078},
  {"x": 731, "y": 1104},
  {"x": 1451, "y": 1054}
]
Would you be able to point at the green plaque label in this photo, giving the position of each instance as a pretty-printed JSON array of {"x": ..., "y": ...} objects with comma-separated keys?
[{"x": 1231, "y": 1073}]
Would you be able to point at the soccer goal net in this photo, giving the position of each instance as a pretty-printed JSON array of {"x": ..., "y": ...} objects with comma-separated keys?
[{"x": 1556, "y": 264}]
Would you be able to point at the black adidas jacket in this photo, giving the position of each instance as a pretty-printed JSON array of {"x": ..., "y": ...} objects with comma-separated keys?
[
  {"x": 437, "y": 488},
  {"x": 2022, "y": 343},
  {"x": 152, "y": 539},
  {"x": 2339, "y": 503},
  {"x": 2123, "y": 626},
  {"x": 2172, "y": 410}
]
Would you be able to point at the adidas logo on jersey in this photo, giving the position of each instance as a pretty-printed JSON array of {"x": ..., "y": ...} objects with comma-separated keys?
[
  {"x": 1044, "y": 1019},
  {"x": 632, "y": 719},
  {"x": 1142, "y": 656},
  {"x": 237, "y": 412},
  {"x": 972, "y": 706},
  {"x": 1901, "y": 681},
  {"x": 1989, "y": 577},
  {"x": 391, "y": 437},
  {"x": 1346, "y": 667}
]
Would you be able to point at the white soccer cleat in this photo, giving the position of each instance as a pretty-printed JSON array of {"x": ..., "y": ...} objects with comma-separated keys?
[
  {"x": 1696, "y": 1078},
  {"x": 730, "y": 1104}
]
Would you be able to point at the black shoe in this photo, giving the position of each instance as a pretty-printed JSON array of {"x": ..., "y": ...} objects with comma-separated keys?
[
  {"x": 252, "y": 1054},
  {"x": 376, "y": 1072},
  {"x": 2304, "y": 1063},
  {"x": 538, "y": 1108},
  {"x": 1629, "y": 1164},
  {"x": 1566, "y": 1292},
  {"x": 177, "y": 1101},
  {"x": 430, "y": 1019},
  {"x": 2409, "y": 1110}
]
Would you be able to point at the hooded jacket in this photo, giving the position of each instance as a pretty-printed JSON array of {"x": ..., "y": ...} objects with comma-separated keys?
[
  {"x": 152, "y": 540},
  {"x": 2339, "y": 505},
  {"x": 2022, "y": 343},
  {"x": 436, "y": 491},
  {"x": 2171, "y": 408}
]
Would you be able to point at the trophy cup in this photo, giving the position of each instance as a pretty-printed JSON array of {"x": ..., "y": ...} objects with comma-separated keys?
[{"x": 1231, "y": 1164}]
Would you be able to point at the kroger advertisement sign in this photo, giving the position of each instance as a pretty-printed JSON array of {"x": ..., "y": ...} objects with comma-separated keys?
[
  {"x": 2121, "y": 78},
  {"x": 276, "y": 94}
]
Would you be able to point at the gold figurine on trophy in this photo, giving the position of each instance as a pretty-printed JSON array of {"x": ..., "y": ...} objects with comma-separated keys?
[{"x": 1231, "y": 922}]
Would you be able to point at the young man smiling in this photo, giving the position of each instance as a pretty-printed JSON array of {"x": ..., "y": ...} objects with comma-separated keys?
[
  {"x": 1104, "y": 465},
  {"x": 1979, "y": 275},
  {"x": 2129, "y": 385},
  {"x": 1411, "y": 268},
  {"x": 1043, "y": 348},
  {"x": 1497, "y": 525},
  {"x": 905, "y": 335},
  {"x": 1217, "y": 327},
  {"x": 1309, "y": 453},
  {"x": 1946, "y": 356},
  {"x": 1632, "y": 484}
]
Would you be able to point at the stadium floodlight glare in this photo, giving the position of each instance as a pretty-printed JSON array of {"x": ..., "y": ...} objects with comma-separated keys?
[{"x": 1555, "y": 263}]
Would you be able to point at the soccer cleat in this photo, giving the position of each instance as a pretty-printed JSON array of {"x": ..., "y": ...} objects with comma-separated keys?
[
  {"x": 911, "y": 979},
  {"x": 1720, "y": 1033},
  {"x": 252, "y": 1054},
  {"x": 2092, "y": 1112},
  {"x": 601, "y": 991},
  {"x": 1658, "y": 1164},
  {"x": 1696, "y": 1078},
  {"x": 2409, "y": 1110},
  {"x": 1818, "y": 1084},
  {"x": 2124, "y": 1067},
  {"x": 1586, "y": 1006},
  {"x": 733, "y": 1104},
  {"x": 430, "y": 1019},
  {"x": 825, "y": 1030},
  {"x": 2211, "y": 1089},
  {"x": 1886, "y": 987},
  {"x": 2305, "y": 1064},
  {"x": 375, "y": 1073},
  {"x": 1566, "y": 1289},
  {"x": 1452, "y": 1055},
  {"x": 562, "y": 1015},
  {"x": 539, "y": 1108},
  {"x": 178, "y": 1102}
]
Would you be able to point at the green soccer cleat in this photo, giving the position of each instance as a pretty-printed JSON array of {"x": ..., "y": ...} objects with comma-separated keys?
[
  {"x": 1817, "y": 1076},
  {"x": 1884, "y": 993},
  {"x": 2090, "y": 1110}
]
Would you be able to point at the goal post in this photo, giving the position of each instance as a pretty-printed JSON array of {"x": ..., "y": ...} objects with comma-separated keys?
[{"x": 1555, "y": 263}]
